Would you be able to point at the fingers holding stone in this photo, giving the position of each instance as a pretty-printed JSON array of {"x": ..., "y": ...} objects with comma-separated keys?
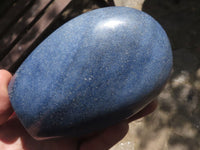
[
  {"x": 112, "y": 135},
  {"x": 106, "y": 139},
  {"x": 5, "y": 106}
]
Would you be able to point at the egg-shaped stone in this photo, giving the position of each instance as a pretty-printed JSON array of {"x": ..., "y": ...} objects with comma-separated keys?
[{"x": 93, "y": 72}]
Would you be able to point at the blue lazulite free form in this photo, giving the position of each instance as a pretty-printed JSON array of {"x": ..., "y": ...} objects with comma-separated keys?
[{"x": 91, "y": 73}]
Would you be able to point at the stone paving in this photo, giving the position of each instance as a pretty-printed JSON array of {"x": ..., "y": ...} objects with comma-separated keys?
[{"x": 175, "y": 125}]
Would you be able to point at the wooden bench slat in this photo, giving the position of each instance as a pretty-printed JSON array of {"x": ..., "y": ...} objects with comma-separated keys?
[
  {"x": 10, "y": 37},
  {"x": 12, "y": 15},
  {"x": 22, "y": 46}
]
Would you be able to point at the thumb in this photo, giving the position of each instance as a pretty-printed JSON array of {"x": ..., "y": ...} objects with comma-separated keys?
[{"x": 5, "y": 106}]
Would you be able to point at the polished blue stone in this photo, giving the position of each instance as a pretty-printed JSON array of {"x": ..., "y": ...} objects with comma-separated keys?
[{"x": 92, "y": 72}]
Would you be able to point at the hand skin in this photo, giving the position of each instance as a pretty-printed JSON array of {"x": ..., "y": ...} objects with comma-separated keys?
[{"x": 14, "y": 137}]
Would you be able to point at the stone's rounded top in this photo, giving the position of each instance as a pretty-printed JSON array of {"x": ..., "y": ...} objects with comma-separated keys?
[{"x": 92, "y": 72}]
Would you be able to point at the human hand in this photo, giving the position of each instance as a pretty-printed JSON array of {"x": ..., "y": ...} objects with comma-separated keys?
[{"x": 14, "y": 137}]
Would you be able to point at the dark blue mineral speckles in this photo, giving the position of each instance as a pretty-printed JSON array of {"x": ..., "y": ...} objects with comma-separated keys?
[{"x": 92, "y": 72}]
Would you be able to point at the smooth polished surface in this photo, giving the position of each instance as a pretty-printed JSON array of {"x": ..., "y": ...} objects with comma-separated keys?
[{"x": 92, "y": 72}]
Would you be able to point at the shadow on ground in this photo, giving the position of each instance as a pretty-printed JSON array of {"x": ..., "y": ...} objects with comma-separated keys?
[{"x": 176, "y": 123}]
